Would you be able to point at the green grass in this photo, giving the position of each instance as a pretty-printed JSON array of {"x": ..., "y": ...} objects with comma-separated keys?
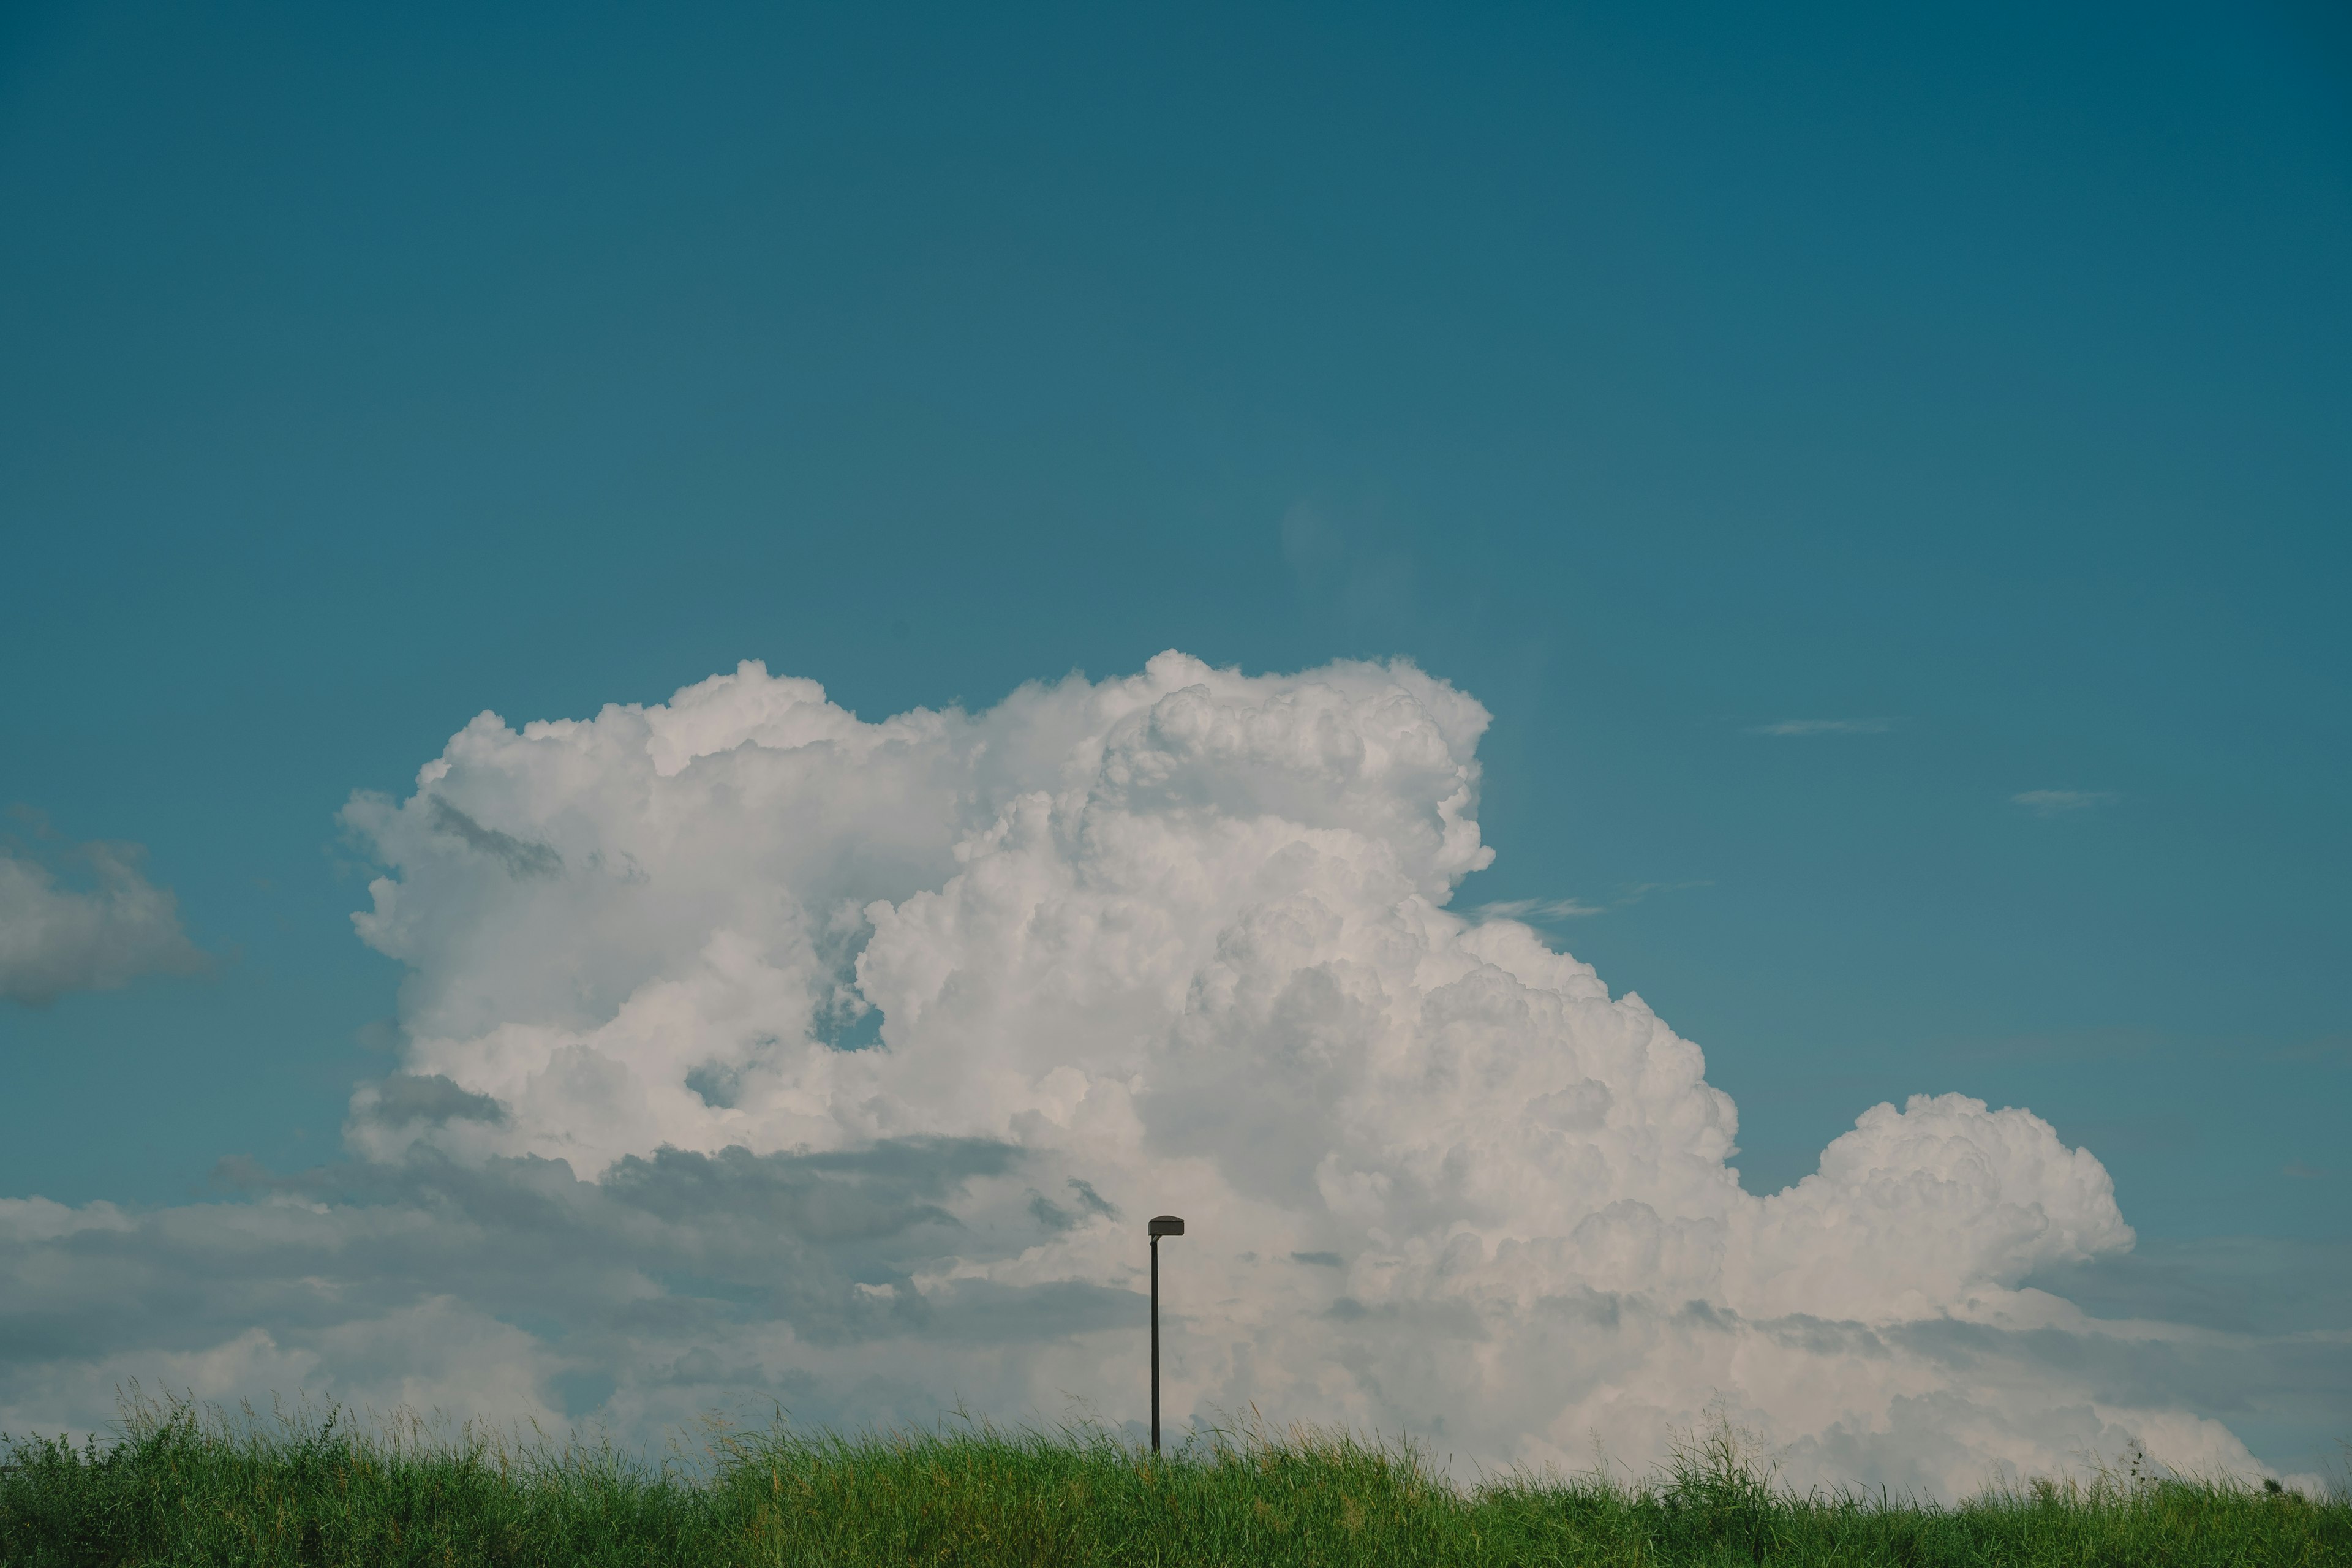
[{"x": 180, "y": 1488}]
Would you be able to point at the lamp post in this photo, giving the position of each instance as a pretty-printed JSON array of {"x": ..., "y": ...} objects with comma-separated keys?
[{"x": 1166, "y": 1224}]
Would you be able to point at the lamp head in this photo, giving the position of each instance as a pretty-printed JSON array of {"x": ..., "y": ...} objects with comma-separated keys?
[{"x": 1166, "y": 1224}]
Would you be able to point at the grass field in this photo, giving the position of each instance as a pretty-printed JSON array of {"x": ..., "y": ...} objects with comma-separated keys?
[{"x": 179, "y": 1489}]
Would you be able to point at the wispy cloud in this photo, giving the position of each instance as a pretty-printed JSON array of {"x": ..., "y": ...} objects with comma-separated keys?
[
  {"x": 1635, "y": 892},
  {"x": 1542, "y": 910},
  {"x": 2058, "y": 802},
  {"x": 1823, "y": 727},
  {"x": 1538, "y": 909}
]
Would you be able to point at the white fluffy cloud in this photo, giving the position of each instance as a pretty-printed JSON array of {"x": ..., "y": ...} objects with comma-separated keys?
[
  {"x": 56, "y": 939},
  {"x": 753, "y": 1048}
]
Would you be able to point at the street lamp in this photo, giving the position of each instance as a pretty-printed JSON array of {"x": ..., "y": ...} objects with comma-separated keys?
[{"x": 1166, "y": 1224}]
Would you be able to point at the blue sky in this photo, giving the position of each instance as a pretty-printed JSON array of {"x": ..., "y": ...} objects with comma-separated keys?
[{"x": 1976, "y": 380}]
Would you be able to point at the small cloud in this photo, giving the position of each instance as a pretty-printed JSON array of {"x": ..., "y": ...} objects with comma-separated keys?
[
  {"x": 1823, "y": 727},
  {"x": 1537, "y": 910},
  {"x": 1311, "y": 544},
  {"x": 1635, "y": 892},
  {"x": 2333, "y": 1050},
  {"x": 57, "y": 938},
  {"x": 1540, "y": 910},
  {"x": 1362, "y": 583},
  {"x": 2298, "y": 1171},
  {"x": 2058, "y": 802}
]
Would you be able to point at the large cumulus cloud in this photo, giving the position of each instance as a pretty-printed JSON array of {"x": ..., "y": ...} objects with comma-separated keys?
[{"x": 752, "y": 1048}]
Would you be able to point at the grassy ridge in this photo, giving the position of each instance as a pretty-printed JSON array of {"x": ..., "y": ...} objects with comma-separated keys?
[{"x": 177, "y": 1490}]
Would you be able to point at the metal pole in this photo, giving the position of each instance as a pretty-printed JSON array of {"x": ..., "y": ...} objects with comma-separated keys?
[
  {"x": 1161, "y": 1224},
  {"x": 1155, "y": 1345}
]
